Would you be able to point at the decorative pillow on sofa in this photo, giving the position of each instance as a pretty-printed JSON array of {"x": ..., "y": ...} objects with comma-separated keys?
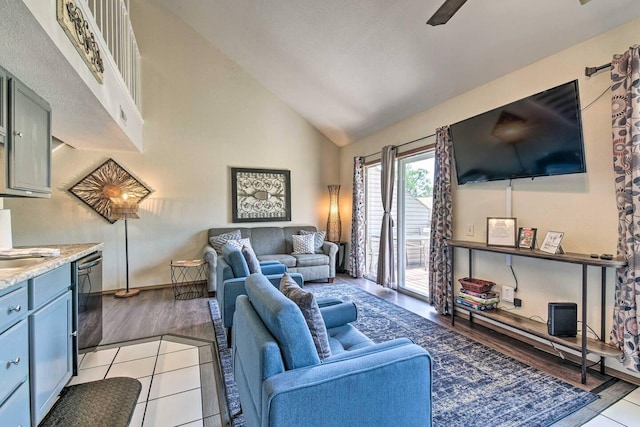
[
  {"x": 218, "y": 241},
  {"x": 318, "y": 237},
  {"x": 252, "y": 259},
  {"x": 240, "y": 243},
  {"x": 307, "y": 303},
  {"x": 303, "y": 244}
]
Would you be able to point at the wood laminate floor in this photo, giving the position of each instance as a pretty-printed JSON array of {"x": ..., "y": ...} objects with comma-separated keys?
[{"x": 153, "y": 313}]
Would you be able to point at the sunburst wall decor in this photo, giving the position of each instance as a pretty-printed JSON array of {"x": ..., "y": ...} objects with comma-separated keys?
[{"x": 109, "y": 180}]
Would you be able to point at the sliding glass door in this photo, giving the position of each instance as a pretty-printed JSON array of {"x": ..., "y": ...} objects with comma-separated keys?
[{"x": 411, "y": 214}]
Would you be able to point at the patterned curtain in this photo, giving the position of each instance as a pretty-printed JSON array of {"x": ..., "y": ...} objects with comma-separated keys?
[
  {"x": 386, "y": 264},
  {"x": 440, "y": 286},
  {"x": 357, "y": 261},
  {"x": 625, "y": 76}
]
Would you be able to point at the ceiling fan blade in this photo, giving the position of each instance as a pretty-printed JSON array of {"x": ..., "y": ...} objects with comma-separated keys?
[{"x": 446, "y": 11}]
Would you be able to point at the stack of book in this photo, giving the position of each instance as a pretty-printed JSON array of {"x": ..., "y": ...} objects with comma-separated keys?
[{"x": 478, "y": 301}]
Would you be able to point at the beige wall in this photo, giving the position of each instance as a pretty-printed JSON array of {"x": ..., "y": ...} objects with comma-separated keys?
[
  {"x": 583, "y": 206},
  {"x": 203, "y": 115}
]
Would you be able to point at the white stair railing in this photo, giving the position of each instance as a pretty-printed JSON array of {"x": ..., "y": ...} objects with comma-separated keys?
[{"x": 112, "y": 18}]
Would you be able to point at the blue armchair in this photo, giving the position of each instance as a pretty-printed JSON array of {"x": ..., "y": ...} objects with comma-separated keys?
[
  {"x": 232, "y": 271},
  {"x": 282, "y": 382}
]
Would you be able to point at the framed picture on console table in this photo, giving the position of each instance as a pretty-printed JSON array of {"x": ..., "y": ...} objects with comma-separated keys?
[
  {"x": 260, "y": 195},
  {"x": 552, "y": 242},
  {"x": 527, "y": 237},
  {"x": 501, "y": 232}
]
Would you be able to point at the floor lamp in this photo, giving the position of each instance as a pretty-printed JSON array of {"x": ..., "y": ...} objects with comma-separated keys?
[
  {"x": 334, "y": 225},
  {"x": 126, "y": 208}
]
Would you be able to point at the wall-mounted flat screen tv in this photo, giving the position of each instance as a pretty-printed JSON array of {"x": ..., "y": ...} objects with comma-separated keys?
[{"x": 540, "y": 135}]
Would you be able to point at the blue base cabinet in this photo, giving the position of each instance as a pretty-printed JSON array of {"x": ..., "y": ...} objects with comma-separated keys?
[
  {"x": 38, "y": 348},
  {"x": 50, "y": 338},
  {"x": 15, "y": 410},
  {"x": 14, "y": 353},
  {"x": 51, "y": 357},
  {"x": 36, "y": 337}
]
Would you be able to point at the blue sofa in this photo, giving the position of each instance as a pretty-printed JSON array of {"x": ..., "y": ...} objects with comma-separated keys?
[{"x": 282, "y": 382}]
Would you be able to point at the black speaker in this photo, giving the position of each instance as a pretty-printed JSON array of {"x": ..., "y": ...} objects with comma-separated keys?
[{"x": 563, "y": 319}]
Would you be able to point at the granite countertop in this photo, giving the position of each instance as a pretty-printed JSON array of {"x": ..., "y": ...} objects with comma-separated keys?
[{"x": 68, "y": 253}]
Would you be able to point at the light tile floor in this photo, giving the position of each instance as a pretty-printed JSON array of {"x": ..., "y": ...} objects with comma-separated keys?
[
  {"x": 625, "y": 412},
  {"x": 169, "y": 369}
]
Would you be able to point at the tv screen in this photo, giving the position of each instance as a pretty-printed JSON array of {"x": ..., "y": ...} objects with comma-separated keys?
[{"x": 540, "y": 135}]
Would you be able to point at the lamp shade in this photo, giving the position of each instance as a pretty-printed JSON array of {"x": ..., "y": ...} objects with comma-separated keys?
[
  {"x": 334, "y": 226},
  {"x": 124, "y": 207}
]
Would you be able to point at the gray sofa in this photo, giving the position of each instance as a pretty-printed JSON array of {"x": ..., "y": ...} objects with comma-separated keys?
[{"x": 275, "y": 243}]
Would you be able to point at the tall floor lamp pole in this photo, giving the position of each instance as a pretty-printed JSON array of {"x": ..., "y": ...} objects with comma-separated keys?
[{"x": 126, "y": 208}]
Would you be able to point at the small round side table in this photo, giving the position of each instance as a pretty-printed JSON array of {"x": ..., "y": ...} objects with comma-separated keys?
[{"x": 188, "y": 278}]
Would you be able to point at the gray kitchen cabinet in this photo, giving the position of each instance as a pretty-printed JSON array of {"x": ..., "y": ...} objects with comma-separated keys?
[
  {"x": 29, "y": 142},
  {"x": 25, "y": 140},
  {"x": 4, "y": 103},
  {"x": 50, "y": 338}
]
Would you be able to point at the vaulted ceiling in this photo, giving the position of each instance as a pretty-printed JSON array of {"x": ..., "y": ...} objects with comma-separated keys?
[{"x": 354, "y": 67}]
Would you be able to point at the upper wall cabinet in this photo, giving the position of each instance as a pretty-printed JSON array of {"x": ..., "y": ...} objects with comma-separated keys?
[{"x": 25, "y": 155}]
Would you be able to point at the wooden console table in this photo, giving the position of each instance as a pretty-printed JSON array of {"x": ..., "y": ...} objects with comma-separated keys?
[{"x": 581, "y": 343}]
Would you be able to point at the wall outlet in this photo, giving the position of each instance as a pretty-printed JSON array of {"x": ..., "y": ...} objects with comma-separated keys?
[
  {"x": 517, "y": 302},
  {"x": 508, "y": 294},
  {"x": 469, "y": 230}
]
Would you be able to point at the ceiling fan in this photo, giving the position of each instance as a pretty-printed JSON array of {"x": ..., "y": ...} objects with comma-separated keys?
[{"x": 450, "y": 7}]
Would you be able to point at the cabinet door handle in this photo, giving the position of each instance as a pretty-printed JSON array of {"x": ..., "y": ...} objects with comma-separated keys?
[
  {"x": 19, "y": 134},
  {"x": 14, "y": 362},
  {"x": 15, "y": 308}
]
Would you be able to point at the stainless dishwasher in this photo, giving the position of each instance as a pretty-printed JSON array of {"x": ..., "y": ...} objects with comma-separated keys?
[{"x": 87, "y": 300}]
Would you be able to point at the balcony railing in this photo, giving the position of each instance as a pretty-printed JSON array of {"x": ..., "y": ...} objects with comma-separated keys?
[{"x": 112, "y": 19}]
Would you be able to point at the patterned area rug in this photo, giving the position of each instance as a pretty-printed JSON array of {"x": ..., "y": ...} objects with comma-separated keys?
[{"x": 473, "y": 385}]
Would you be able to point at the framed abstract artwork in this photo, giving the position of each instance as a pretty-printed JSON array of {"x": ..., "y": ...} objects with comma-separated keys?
[
  {"x": 109, "y": 180},
  {"x": 260, "y": 195}
]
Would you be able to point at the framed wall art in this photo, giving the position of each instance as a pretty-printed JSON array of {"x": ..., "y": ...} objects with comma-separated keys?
[
  {"x": 260, "y": 195},
  {"x": 109, "y": 180},
  {"x": 501, "y": 232}
]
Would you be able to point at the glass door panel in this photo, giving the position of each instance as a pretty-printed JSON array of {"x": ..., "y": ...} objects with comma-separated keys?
[{"x": 415, "y": 181}]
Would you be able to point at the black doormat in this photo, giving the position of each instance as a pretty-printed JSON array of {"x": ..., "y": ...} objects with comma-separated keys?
[{"x": 108, "y": 402}]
